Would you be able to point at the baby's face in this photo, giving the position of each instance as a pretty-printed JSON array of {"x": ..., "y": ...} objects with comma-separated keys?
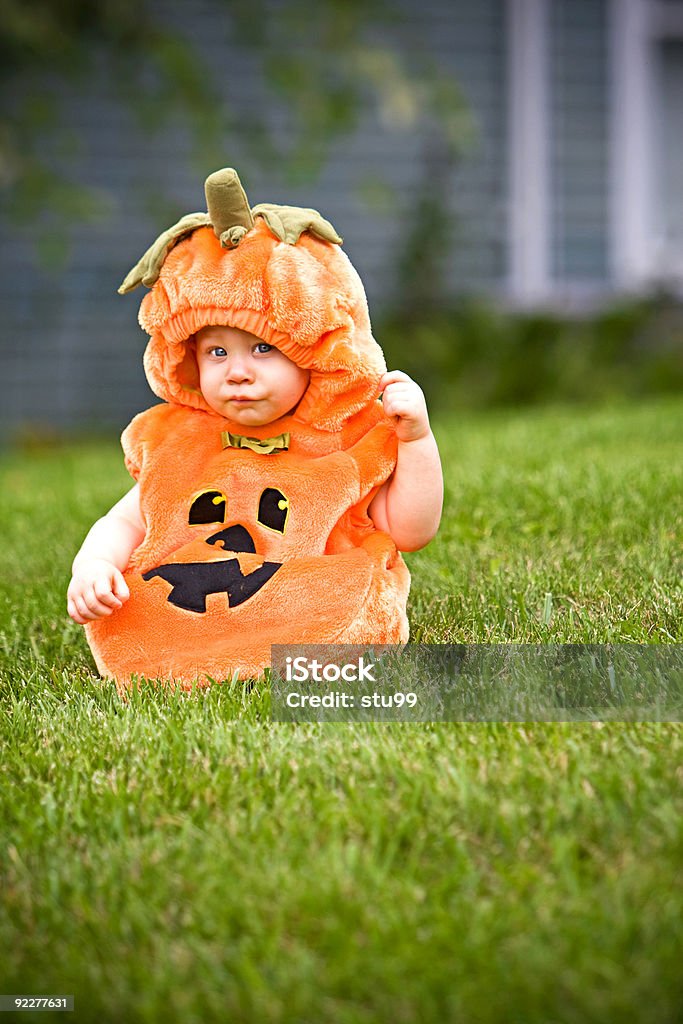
[{"x": 245, "y": 379}]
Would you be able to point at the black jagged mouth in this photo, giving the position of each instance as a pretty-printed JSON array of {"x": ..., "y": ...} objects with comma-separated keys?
[{"x": 192, "y": 582}]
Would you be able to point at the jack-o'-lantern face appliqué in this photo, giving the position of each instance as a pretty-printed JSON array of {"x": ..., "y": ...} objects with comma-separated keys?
[{"x": 192, "y": 582}]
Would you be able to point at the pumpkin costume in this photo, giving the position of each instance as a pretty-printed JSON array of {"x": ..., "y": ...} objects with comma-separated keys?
[{"x": 260, "y": 539}]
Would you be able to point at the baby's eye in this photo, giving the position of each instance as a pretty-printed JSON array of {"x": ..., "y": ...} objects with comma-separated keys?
[
  {"x": 216, "y": 350},
  {"x": 263, "y": 346}
]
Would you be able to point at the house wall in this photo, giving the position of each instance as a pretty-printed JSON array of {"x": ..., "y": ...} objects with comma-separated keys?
[
  {"x": 579, "y": 130},
  {"x": 668, "y": 170},
  {"x": 71, "y": 351}
]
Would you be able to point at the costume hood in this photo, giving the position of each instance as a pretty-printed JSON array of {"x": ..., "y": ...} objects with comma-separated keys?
[{"x": 275, "y": 271}]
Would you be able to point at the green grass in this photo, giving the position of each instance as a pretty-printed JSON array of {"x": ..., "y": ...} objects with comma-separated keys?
[
  {"x": 184, "y": 859},
  {"x": 583, "y": 505}
]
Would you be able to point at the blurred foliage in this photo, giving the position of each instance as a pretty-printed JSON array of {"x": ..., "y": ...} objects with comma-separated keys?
[
  {"x": 43, "y": 46},
  {"x": 475, "y": 354},
  {"x": 323, "y": 63},
  {"x": 422, "y": 270}
]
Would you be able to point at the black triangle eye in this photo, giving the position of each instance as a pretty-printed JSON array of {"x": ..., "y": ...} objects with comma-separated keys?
[
  {"x": 208, "y": 507},
  {"x": 273, "y": 509}
]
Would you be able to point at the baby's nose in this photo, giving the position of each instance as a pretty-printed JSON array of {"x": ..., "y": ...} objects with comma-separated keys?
[{"x": 239, "y": 371}]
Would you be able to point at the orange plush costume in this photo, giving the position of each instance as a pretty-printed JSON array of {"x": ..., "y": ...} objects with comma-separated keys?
[{"x": 265, "y": 539}]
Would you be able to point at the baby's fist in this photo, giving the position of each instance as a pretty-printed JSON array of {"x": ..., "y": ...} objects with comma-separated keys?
[
  {"x": 96, "y": 589},
  {"x": 404, "y": 402}
]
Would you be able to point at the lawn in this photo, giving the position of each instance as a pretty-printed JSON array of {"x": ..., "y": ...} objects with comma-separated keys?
[{"x": 185, "y": 859}]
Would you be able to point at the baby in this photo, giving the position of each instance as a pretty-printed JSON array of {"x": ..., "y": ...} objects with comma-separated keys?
[{"x": 258, "y": 326}]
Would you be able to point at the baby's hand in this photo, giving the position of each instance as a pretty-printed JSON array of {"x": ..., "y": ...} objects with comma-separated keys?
[
  {"x": 97, "y": 588},
  {"x": 403, "y": 400}
]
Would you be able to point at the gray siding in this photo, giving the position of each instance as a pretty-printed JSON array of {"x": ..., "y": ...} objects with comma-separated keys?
[
  {"x": 470, "y": 39},
  {"x": 71, "y": 349},
  {"x": 578, "y": 75},
  {"x": 669, "y": 167}
]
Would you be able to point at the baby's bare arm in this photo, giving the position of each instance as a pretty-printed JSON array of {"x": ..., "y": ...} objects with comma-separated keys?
[
  {"x": 97, "y": 585},
  {"x": 408, "y": 506}
]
